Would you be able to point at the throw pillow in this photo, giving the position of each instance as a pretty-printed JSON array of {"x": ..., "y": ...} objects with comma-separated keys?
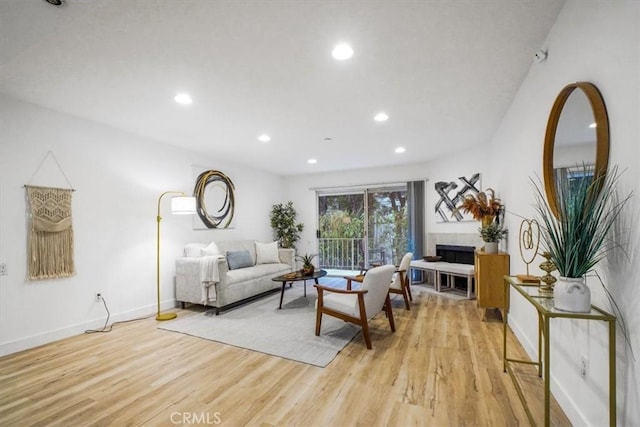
[
  {"x": 239, "y": 259},
  {"x": 267, "y": 253},
  {"x": 212, "y": 249}
]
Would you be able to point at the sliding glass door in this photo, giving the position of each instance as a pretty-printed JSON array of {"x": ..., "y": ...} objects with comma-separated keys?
[{"x": 361, "y": 228}]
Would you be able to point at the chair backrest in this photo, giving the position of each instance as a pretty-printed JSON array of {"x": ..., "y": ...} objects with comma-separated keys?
[
  {"x": 376, "y": 282},
  {"x": 405, "y": 263}
]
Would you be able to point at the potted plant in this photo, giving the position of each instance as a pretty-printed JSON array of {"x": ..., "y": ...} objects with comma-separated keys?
[
  {"x": 491, "y": 235},
  {"x": 483, "y": 206},
  {"x": 283, "y": 222},
  {"x": 307, "y": 263},
  {"x": 578, "y": 238}
]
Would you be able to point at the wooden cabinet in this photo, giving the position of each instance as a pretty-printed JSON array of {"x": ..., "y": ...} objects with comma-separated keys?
[{"x": 490, "y": 270}]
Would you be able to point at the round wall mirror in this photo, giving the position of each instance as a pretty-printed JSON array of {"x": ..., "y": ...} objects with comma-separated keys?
[{"x": 577, "y": 136}]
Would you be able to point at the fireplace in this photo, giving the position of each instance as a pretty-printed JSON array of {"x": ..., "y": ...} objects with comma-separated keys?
[{"x": 456, "y": 254}]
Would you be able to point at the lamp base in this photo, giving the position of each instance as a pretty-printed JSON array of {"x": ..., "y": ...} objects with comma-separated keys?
[{"x": 166, "y": 316}]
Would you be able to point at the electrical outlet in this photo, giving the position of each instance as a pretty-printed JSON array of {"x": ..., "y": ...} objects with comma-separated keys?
[
  {"x": 3, "y": 269},
  {"x": 584, "y": 366},
  {"x": 98, "y": 297}
]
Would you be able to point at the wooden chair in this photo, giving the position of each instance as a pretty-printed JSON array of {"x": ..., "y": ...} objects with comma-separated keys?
[
  {"x": 400, "y": 283},
  {"x": 358, "y": 306}
]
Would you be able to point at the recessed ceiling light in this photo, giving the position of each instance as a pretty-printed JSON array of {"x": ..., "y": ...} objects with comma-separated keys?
[
  {"x": 381, "y": 117},
  {"x": 342, "y": 51},
  {"x": 183, "y": 98},
  {"x": 400, "y": 150},
  {"x": 55, "y": 2},
  {"x": 312, "y": 161},
  {"x": 593, "y": 125},
  {"x": 264, "y": 138}
]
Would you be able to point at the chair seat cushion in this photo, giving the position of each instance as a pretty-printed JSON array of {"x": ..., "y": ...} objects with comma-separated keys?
[{"x": 344, "y": 303}]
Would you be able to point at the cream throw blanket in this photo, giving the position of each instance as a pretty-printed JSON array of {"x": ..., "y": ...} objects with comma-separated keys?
[
  {"x": 50, "y": 233},
  {"x": 209, "y": 276}
]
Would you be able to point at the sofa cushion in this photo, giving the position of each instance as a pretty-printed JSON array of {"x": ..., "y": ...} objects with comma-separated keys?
[
  {"x": 193, "y": 250},
  {"x": 267, "y": 253},
  {"x": 256, "y": 272},
  {"x": 211, "y": 250},
  {"x": 239, "y": 259},
  {"x": 238, "y": 245}
]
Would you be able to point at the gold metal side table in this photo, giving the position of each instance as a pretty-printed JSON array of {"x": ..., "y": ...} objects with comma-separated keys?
[{"x": 543, "y": 303}]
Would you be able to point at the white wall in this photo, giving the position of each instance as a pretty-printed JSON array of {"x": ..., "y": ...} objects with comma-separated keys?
[
  {"x": 118, "y": 178},
  {"x": 597, "y": 42}
]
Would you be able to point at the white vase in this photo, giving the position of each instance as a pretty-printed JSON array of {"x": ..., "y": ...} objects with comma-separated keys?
[
  {"x": 572, "y": 294},
  {"x": 491, "y": 247}
]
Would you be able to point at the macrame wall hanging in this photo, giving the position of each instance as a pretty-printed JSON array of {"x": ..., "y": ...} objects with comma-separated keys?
[{"x": 50, "y": 230}]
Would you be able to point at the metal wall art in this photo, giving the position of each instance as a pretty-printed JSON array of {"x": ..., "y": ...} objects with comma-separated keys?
[
  {"x": 451, "y": 195},
  {"x": 217, "y": 189}
]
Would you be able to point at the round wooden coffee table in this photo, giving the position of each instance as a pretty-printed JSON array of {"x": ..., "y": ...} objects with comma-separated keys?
[{"x": 301, "y": 278}]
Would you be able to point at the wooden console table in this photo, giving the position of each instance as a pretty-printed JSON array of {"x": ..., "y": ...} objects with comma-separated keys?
[{"x": 543, "y": 304}]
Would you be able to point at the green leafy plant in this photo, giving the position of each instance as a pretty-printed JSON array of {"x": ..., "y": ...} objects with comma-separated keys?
[
  {"x": 306, "y": 259},
  {"x": 283, "y": 222},
  {"x": 578, "y": 238},
  {"x": 492, "y": 232}
]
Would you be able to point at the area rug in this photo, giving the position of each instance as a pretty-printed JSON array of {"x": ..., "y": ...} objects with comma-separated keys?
[{"x": 260, "y": 326}]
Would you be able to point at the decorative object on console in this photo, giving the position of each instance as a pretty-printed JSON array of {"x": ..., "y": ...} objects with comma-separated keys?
[
  {"x": 577, "y": 239},
  {"x": 307, "y": 263},
  {"x": 483, "y": 206},
  {"x": 548, "y": 279},
  {"x": 283, "y": 222},
  {"x": 487, "y": 209},
  {"x": 529, "y": 240},
  {"x": 207, "y": 192},
  {"x": 180, "y": 205},
  {"x": 491, "y": 235},
  {"x": 452, "y": 195}
]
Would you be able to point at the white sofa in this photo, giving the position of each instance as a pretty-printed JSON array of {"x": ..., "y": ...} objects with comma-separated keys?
[{"x": 204, "y": 276}]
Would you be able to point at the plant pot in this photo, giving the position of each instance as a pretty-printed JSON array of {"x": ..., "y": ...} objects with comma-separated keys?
[
  {"x": 307, "y": 271},
  {"x": 491, "y": 247},
  {"x": 487, "y": 220},
  {"x": 572, "y": 294}
]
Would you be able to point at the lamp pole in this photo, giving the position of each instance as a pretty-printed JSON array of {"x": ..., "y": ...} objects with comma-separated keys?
[{"x": 164, "y": 316}]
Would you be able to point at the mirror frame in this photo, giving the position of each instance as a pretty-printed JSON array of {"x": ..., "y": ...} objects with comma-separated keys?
[{"x": 602, "y": 137}]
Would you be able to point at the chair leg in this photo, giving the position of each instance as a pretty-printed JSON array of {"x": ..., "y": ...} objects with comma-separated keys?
[
  {"x": 318, "y": 321},
  {"x": 389, "y": 311},
  {"x": 406, "y": 298},
  {"x": 365, "y": 333},
  {"x": 364, "y": 322},
  {"x": 408, "y": 286}
]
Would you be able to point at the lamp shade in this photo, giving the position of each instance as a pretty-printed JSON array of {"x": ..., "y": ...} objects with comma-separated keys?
[{"x": 183, "y": 205}]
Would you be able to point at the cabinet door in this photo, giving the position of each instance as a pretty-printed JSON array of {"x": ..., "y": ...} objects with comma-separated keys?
[{"x": 490, "y": 272}]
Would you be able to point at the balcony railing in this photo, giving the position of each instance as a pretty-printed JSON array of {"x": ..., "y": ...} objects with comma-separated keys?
[{"x": 348, "y": 254}]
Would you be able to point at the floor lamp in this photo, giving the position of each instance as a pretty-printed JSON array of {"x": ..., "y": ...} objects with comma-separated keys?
[{"x": 180, "y": 205}]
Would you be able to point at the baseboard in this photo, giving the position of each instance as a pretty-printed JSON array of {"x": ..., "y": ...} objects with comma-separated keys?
[
  {"x": 559, "y": 392},
  {"x": 48, "y": 337}
]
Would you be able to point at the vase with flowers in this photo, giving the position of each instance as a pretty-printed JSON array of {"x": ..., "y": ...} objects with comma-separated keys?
[
  {"x": 577, "y": 238},
  {"x": 485, "y": 207}
]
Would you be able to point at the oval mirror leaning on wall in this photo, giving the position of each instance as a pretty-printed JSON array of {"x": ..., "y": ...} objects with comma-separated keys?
[{"x": 577, "y": 134}]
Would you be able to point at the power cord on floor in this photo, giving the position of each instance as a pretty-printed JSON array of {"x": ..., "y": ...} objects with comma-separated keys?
[{"x": 109, "y": 328}]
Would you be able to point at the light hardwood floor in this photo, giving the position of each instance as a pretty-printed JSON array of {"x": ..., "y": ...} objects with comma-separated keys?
[{"x": 442, "y": 367}]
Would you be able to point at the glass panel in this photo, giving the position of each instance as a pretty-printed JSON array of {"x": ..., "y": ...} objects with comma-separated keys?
[
  {"x": 387, "y": 225},
  {"x": 341, "y": 231}
]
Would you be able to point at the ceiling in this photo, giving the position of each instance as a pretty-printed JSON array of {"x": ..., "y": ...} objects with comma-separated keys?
[{"x": 444, "y": 71}]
